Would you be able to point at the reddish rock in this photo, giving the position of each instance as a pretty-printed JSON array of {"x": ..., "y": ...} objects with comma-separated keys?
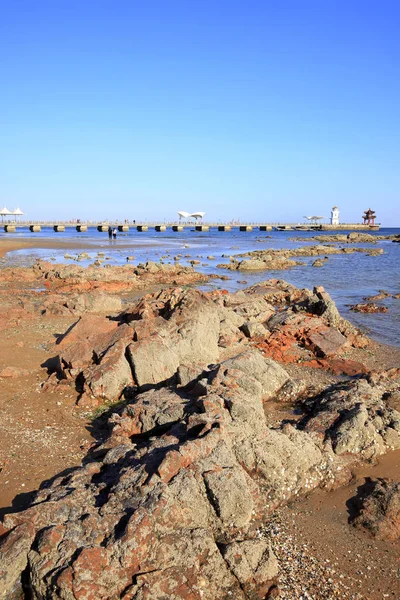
[
  {"x": 378, "y": 505},
  {"x": 326, "y": 341},
  {"x": 13, "y": 372},
  {"x": 368, "y": 307}
]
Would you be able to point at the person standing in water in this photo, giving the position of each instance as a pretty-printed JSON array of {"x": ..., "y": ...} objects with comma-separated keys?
[
  {"x": 110, "y": 233},
  {"x": 114, "y": 233}
]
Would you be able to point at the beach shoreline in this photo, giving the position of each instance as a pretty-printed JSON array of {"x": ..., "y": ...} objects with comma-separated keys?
[{"x": 7, "y": 245}]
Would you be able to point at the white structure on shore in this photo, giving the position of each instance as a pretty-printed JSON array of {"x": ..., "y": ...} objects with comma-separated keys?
[
  {"x": 335, "y": 216},
  {"x": 185, "y": 215}
]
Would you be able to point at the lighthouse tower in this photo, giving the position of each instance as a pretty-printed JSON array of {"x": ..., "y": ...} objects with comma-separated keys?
[{"x": 335, "y": 216}]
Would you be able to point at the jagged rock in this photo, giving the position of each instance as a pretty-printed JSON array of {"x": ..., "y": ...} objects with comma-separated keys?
[
  {"x": 378, "y": 504},
  {"x": 109, "y": 378},
  {"x": 327, "y": 341},
  {"x": 153, "y": 360},
  {"x": 178, "y": 479},
  {"x": 253, "y": 329},
  {"x": 355, "y": 418},
  {"x": 173, "y": 499}
]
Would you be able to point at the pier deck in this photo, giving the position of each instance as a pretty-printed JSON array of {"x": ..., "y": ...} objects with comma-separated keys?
[{"x": 82, "y": 226}]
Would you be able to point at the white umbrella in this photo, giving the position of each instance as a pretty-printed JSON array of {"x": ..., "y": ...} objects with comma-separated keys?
[
  {"x": 4, "y": 211},
  {"x": 17, "y": 213}
]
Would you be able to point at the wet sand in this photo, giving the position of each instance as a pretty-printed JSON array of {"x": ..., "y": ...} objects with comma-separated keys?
[{"x": 8, "y": 245}]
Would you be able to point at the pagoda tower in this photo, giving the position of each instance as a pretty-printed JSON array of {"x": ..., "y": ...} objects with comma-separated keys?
[{"x": 369, "y": 217}]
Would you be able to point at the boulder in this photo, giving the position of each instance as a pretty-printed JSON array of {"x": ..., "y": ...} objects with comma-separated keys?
[
  {"x": 153, "y": 361},
  {"x": 378, "y": 509},
  {"x": 109, "y": 378},
  {"x": 327, "y": 341}
]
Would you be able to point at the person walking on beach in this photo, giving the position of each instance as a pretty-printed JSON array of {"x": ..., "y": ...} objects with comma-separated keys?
[
  {"x": 110, "y": 233},
  {"x": 114, "y": 233}
]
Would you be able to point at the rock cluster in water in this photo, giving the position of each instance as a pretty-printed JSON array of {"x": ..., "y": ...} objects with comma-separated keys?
[{"x": 260, "y": 260}]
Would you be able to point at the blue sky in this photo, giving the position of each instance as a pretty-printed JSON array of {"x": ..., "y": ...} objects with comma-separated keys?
[{"x": 258, "y": 110}]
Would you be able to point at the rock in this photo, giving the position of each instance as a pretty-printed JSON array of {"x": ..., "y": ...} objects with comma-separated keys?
[
  {"x": 253, "y": 329},
  {"x": 355, "y": 418},
  {"x": 267, "y": 372},
  {"x": 254, "y": 564},
  {"x": 378, "y": 504},
  {"x": 319, "y": 262},
  {"x": 153, "y": 361},
  {"x": 361, "y": 237},
  {"x": 13, "y": 372},
  {"x": 369, "y": 307},
  {"x": 381, "y": 296},
  {"x": 327, "y": 341},
  {"x": 87, "y": 326},
  {"x": 109, "y": 378}
]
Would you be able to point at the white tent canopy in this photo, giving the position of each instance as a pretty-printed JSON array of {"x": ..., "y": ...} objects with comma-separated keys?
[
  {"x": 185, "y": 215},
  {"x": 5, "y": 211},
  {"x": 17, "y": 211}
]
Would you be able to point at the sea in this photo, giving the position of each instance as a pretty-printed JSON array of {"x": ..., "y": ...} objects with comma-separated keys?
[{"x": 349, "y": 278}]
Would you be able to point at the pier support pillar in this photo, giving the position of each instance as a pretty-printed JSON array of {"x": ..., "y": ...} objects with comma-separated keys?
[
  {"x": 81, "y": 228},
  {"x": 123, "y": 228},
  {"x": 10, "y": 228},
  {"x": 265, "y": 227},
  {"x": 202, "y": 228},
  {"x": 142, "y": 227},
  {"x": 35, "y": 228},
  {"x": 224, "y": 228},
  {"x": 160, "y": 228},
  {"x": 59, "y": 227},
  {"x": 246, "y": 228},
  {"x": 177, "y": 227},
  {"x": 102, "y": 227}
]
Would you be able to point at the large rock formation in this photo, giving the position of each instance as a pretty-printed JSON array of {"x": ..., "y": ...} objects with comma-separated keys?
[{"x": 171, "y": 504}]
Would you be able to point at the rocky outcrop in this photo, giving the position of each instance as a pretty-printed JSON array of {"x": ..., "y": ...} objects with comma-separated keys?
[
  {"x": 378, "y": 509},
  {"x": 350, "y": 238},
  {"x": 73, "y": 277},
  {"x": 154, "y": 341},
  {"x": 171, "y": 503},
  {"x": 260, "y": 260},
  {"x": 260, "y": 264}
]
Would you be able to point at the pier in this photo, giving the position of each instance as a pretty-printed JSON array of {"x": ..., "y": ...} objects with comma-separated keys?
[{"x": 84, "y": 226}]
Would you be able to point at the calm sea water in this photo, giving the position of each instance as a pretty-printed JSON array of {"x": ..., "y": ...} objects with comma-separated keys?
[{"x": 348, "y": 278}]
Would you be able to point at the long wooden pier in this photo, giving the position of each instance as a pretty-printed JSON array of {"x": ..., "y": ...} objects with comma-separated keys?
[{"x": 83, "y": 226}]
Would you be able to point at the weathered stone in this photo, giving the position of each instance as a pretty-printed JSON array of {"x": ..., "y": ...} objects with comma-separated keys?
[
  {"x": 378, "y": 506},
  {"x": 253, "y": 329},
  {"x": 153, "y": 361},
  {"x": 109, "y": 378},
  {"x": 327, "y": 341}
]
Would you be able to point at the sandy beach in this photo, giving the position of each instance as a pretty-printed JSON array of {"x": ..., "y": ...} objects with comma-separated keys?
[{"x": 9, "y": 245}]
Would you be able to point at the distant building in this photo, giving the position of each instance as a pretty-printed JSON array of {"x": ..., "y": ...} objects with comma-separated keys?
[
  {"x": 335, "y": 216},
  {"x": 369, "y": 217}
]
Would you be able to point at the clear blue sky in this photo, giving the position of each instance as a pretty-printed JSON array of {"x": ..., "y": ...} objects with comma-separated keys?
[{"x": 264, "y": 110}]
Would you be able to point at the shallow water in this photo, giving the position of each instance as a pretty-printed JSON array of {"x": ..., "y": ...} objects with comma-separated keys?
[{"x": 348, "y": 278}]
